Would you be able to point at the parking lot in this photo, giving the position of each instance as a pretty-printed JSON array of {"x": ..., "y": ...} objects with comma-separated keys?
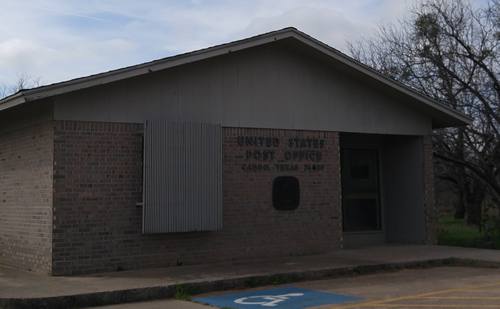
[
  {"x": 446, "y": 287},
  {"x": 443, "y": 287}
]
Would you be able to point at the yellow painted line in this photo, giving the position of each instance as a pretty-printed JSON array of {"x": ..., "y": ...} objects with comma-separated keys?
[
  {"x": 375, "y": 303},
  {"x": 487, "y": 288},
  {"x": 463, "y": 298},
  {"x": 431, "y": 306}
]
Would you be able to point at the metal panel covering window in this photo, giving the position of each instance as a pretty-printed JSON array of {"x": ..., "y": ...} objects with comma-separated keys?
[{"x": 182, "y": 177}]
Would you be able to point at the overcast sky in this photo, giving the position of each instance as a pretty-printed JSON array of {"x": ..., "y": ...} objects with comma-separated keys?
[{"x": 57, "y": 40}]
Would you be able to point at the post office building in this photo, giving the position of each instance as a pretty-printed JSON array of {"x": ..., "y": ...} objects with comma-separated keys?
[{"x": 275, "y": 145}]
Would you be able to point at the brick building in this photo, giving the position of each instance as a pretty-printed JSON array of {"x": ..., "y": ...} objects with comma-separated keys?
[{"x": 274, "y": 145}]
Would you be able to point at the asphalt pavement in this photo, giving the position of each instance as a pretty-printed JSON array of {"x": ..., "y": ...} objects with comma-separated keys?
[{"x": 441, "y": 287}]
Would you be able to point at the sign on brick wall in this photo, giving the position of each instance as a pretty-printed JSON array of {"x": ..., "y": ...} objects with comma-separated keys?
[{"x": 281, "y": 154}]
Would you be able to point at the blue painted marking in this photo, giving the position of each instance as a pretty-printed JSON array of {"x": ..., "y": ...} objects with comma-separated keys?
[{"x": 289, "y": 297}]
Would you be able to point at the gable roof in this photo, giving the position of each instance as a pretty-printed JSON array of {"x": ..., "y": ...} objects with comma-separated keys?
[{"x": 443, "y": 116}]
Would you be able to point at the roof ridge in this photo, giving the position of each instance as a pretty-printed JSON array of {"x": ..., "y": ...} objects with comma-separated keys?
[{"x": 79, "y": 83}]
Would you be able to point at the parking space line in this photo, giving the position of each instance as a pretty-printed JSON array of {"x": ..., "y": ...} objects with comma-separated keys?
[
  {"x": 386, "y": 302},
  {"x": 462, "y": 297},
  {"x": 428, "y": 306},
  {"x": 486, "y": 288}
]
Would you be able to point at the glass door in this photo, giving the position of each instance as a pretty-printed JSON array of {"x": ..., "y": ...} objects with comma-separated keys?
[{"x": 360, "y": 190}]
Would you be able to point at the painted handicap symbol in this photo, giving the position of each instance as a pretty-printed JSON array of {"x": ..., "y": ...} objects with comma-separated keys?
[
  {"x": 287, "y": 297},
  {"x": 266, "y": 300}
]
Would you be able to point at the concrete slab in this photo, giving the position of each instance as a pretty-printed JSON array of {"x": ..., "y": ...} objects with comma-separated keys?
[
  {"x": 159, "y": 304},
  {"x": 442, "y": 287},
  {"x": 25, "y": 290}
]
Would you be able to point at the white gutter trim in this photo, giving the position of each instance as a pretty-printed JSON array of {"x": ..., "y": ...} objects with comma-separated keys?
[
  {"x": 14, "y": 101},
  {"x": 137, "y": 70}
]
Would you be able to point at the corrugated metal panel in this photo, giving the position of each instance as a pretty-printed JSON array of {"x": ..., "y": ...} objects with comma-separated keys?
[{"x": 182, "y": 177}]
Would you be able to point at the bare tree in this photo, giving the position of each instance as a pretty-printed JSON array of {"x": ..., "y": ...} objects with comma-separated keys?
[
  {"x": 449, "y": 50},
  {"x": 24, "y": 81},
  {"x": 3, "y": 91}
]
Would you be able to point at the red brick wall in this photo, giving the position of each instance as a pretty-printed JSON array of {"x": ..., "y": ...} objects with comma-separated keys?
[
  {"x": 26, "y": 156},
  {"x": 98, "y": 179},
  {"x": 315, "y": 226}
]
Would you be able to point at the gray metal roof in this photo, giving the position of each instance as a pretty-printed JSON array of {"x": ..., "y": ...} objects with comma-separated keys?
[{"x": 444, "y": 115}]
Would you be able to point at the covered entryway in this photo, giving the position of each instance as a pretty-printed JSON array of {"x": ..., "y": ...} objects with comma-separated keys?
[
  {"x": 382, "y": 189},
  {"x": 360, "y": 190}
]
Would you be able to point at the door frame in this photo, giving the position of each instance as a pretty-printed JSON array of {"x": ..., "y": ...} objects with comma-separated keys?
[{"x": 367, "y": 237}]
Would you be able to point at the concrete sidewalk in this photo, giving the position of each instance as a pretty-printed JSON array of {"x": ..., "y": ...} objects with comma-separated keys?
[{"x": 26, "y": 290}]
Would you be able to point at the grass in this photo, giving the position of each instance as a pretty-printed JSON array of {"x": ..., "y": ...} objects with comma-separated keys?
[
  {"x": 455, "y": 232},
  {"x": 182, "y": 293}
]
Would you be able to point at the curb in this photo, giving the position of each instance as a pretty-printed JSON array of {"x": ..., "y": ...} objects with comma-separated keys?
[{"x": 198, "y": 287}]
